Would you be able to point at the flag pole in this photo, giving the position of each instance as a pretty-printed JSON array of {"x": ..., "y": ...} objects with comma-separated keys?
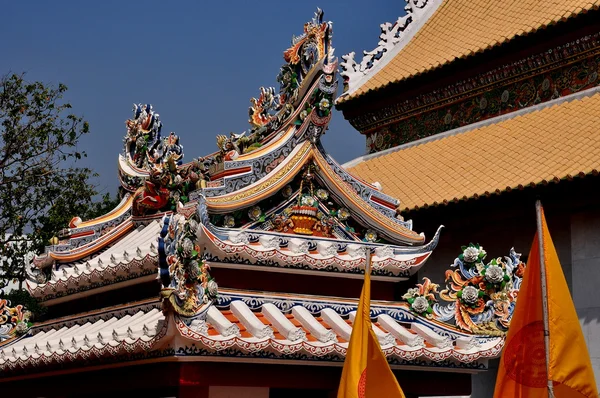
[
  {"x": 538, "y": 211},
  {"x": 368, "y": 259}
]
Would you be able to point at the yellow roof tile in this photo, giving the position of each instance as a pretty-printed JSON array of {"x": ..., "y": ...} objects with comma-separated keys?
[
  {"x": 551, "y": 143},
  {"x": 459, "y": 28}
]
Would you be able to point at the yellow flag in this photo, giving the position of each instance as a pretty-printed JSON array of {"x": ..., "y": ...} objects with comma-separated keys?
[
  {"x": 522, "y": 371},
  {"x": 366, "y": 372}
]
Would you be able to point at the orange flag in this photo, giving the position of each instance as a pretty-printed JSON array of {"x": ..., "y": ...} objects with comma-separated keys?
[
  {"x": 366, "y": 372},
  {"x": 523, "y": 371}
]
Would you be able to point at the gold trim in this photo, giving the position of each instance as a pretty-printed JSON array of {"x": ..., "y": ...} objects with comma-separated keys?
[
  {"x": 272, "y": 183},
  {"x": 115, "y": 213},
  {"x": 353, "y": 197}
]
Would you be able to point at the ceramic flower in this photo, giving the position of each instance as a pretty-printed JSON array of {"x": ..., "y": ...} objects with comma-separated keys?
[
  {"x": 307, "y": 201},
  {"x": 322, "y": 194},
  {"x": 410, "y": 293},
  {"x": 303, "y": 114},
  {"x": 471, "y": 254},
  {"x": 470, "y": 294},
  {"x": 254, "y": 213},
  {"x": 140, "y": 142},
  {"x": 343, "y": 214},
  {"x": 370, "y": 235},
  {"x": 324, "y": 104},
  {"x": 483, "y": 103},
  {"x": 420, "y": 304},
  {"x": 201, "y": 293},
  {"x": 494, "y": 274},
  {"x": 187, "y": 246},
  {"x": 193, "y": 225},
  {"x": 212, "y": 288},
  {"x": 176, "y": 196},
  {"x": 287, "y": 191},
  {"x": 229, "y": 221},
  {"x": 448, "y": 118},
  {"x": 194, "y": 269},
  {"x": 22, "y": 327}
]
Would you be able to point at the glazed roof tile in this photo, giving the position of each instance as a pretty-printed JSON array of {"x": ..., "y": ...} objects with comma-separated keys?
[
  {"x": 460, "y": 28},
  {"x": 134, "y": 254},
  {"x": 246, "y": 324},
  {"x": 548, "y": 144}
]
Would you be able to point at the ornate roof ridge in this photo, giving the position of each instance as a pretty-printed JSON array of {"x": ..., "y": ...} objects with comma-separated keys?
[{"x": 392, "y": 39}]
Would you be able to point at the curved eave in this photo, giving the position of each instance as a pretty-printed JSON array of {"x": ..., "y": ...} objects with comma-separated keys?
[
  {"x": 288, "y": 169},
  {"x": 375, "y": 219},
  {"x": 279, "y": 253},
  {"x": 94, "y": 230},
  {"x": 121, "y": 209},
  {"x": 88, "y": 249},
  {"x": 132, "y": 260},
  {"x": 317, "y": 329},
  {"x": 244, "y": 326}
]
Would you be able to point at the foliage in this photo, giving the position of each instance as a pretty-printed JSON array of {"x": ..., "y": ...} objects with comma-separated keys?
[{"x": 41, "y": 186}]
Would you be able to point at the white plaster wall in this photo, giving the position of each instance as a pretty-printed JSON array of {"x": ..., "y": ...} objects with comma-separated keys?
[
  {"x": 238, "y": 392},
  {"x": 585, "y": 255}
]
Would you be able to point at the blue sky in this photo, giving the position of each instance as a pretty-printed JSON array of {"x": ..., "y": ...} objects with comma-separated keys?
[{"x": 198, "y": 63}]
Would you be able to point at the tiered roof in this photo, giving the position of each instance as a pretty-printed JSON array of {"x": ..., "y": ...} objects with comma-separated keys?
[
  {"x": 539, "y": 145},
  {"x": 456, "y": 29},
  {"x": 270, "y": 199}
]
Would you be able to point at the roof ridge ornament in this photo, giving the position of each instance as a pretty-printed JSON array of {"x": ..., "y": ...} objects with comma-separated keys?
[
  {"x": 391, "y": 39},
  {"x": 14, "y": 321},
  {"x": 310, "y": 57}
]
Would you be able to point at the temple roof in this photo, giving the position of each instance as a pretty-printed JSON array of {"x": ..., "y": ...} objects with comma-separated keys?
[
  {"x": 243, "y": 324},
  {"x": 545, "y": 143},
  {"x": 461, "y": 28}
]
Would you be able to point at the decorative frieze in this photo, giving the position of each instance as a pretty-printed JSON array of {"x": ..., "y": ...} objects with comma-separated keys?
[{"x": 555, "y": 73}]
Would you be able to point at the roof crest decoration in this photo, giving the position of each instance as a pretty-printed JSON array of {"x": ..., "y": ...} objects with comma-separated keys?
[
  {"x": 391, "y": 40},
  {"x": 14, "y": 321},
  {"x": 310, "y": 57}
]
